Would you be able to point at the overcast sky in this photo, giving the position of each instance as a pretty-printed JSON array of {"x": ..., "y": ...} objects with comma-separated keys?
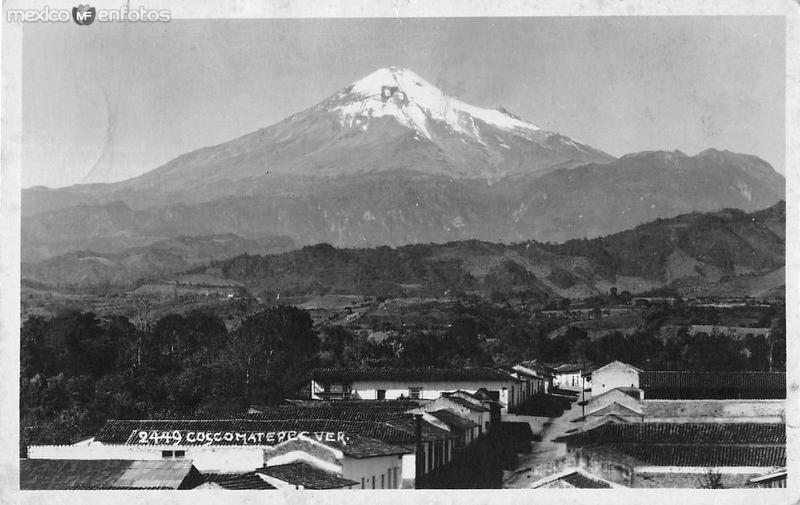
[{"x": 116, "y": 100}]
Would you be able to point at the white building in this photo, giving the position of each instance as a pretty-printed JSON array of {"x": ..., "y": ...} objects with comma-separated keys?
[
  {"x": 358, "y": 450},
  {"x": 370, "y": 463},
  {"x": 572, "y": 376},
  {"x": 470, "y": 410},
  {"x": 614, "y": 375},
  {"x": 539, "y": 376},
  {"x": 416, "y": 383}
]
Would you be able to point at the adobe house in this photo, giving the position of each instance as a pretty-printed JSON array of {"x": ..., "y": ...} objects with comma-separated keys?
[{"x": 386, "y": 383}]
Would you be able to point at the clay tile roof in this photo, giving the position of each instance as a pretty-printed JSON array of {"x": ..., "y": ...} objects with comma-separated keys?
[
  {"x": 466, "y": 403},
  {"x": 430, "y": 432},
  {"x": 452, "y": 419},
  {"x": 582, "y": 481},
  {"x": 687, "y": 444},
  {"x": 421, "y": 374},
  {"x": 681, "y": 433},
  {"x": 366, "y": 410},
  {"x": 360, "y": 447},
  {"x": 106, "y": 474},
  {"x": 303, "y": 474},
  {"x": 713, "y": 385},
  {"x": 125, "y": 431},
  {"x": 238, "y": 481}
]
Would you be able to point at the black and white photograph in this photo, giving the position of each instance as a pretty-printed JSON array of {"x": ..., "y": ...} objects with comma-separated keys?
[{"x": 304, "y": 247}]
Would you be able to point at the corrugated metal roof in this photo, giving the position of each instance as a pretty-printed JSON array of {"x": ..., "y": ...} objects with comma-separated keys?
[{"x": 104, "y": 474}]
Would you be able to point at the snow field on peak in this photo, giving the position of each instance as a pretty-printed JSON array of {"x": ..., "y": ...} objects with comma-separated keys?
[{"x": 411, "y": 100}]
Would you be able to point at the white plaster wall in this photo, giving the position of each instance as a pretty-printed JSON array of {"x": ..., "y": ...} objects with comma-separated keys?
[
  {"x": 368, "y": 390},
  {"x": 356, "y": 469},
  {"x": 205, "y": 458},
  {"x": 612, "y": 377}
]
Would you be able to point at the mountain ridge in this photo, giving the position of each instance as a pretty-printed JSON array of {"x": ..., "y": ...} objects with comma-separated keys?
[
  {"x": 391, "y": 160},
  {"x": 693, "y": 252}
]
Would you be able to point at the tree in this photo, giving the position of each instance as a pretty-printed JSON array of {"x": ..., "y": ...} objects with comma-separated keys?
[
  {"x": 337, "y": 343},
  {"x": 273, "y": 351}
]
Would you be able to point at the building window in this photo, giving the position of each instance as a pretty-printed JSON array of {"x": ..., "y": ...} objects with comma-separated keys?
[
  {"x": 180, "y": 454},
  {"x": 362, "y": 482},
  {"x": 166, "y": 454},
  {"x": 381, "y": 394},
  {"x": 396, "y": 482},
  {"x": 373, "y": 482},
  {"x": 383, "y": 481},
  {"x": 415, "y": 392}
]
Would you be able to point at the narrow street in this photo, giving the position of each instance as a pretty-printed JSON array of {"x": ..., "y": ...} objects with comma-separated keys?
[{"x": 546, "y": 450}]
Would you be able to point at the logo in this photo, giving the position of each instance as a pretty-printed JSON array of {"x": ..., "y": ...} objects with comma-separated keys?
[{"x": 84, "y": 15}]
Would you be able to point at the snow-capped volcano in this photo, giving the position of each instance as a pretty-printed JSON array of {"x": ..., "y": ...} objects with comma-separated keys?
[
  {"x": 390, "y": 120},
  {"x": 413, "y": 102},
  {"x": 391, "y": 159}
]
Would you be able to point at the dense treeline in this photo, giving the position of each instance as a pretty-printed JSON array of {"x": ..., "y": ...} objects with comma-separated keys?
[{"x": 78, "y": 369}]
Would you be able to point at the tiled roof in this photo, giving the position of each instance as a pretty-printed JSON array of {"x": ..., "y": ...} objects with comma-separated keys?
[
  {"x": 105, "y": 474},
  {"x": 780, "y": 473},
  {"x": 688, "y": 444},
  {"x": 238, "y": 481},
  {"x": 573, "y": 478},
  {"x": 418, "y": 374},
  {"x": 572, "y": 367},
  {"x": 303, "y": 474},
  {"x": 351, "y": 411},
  {"x": 359, "y": 447},
  {"x": 430, "y": 432},
  {"x": 452, "y": 419},
  {"x": 121, "y": 431},
  {"x": 699, "y": 409},
  {"x": 82, "y": 487},
  {"x": 398, "y": 403},
  {"x": 612, "y": 408},
  {"x": 702, "y": 455},
  {"x": 681, "y": 433},
  {"x": 581, "y": 481},
  {"x": 466, "y": 403},
  {"x": 712, "y": 385},
  {"x": 536, "y": 366}
]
